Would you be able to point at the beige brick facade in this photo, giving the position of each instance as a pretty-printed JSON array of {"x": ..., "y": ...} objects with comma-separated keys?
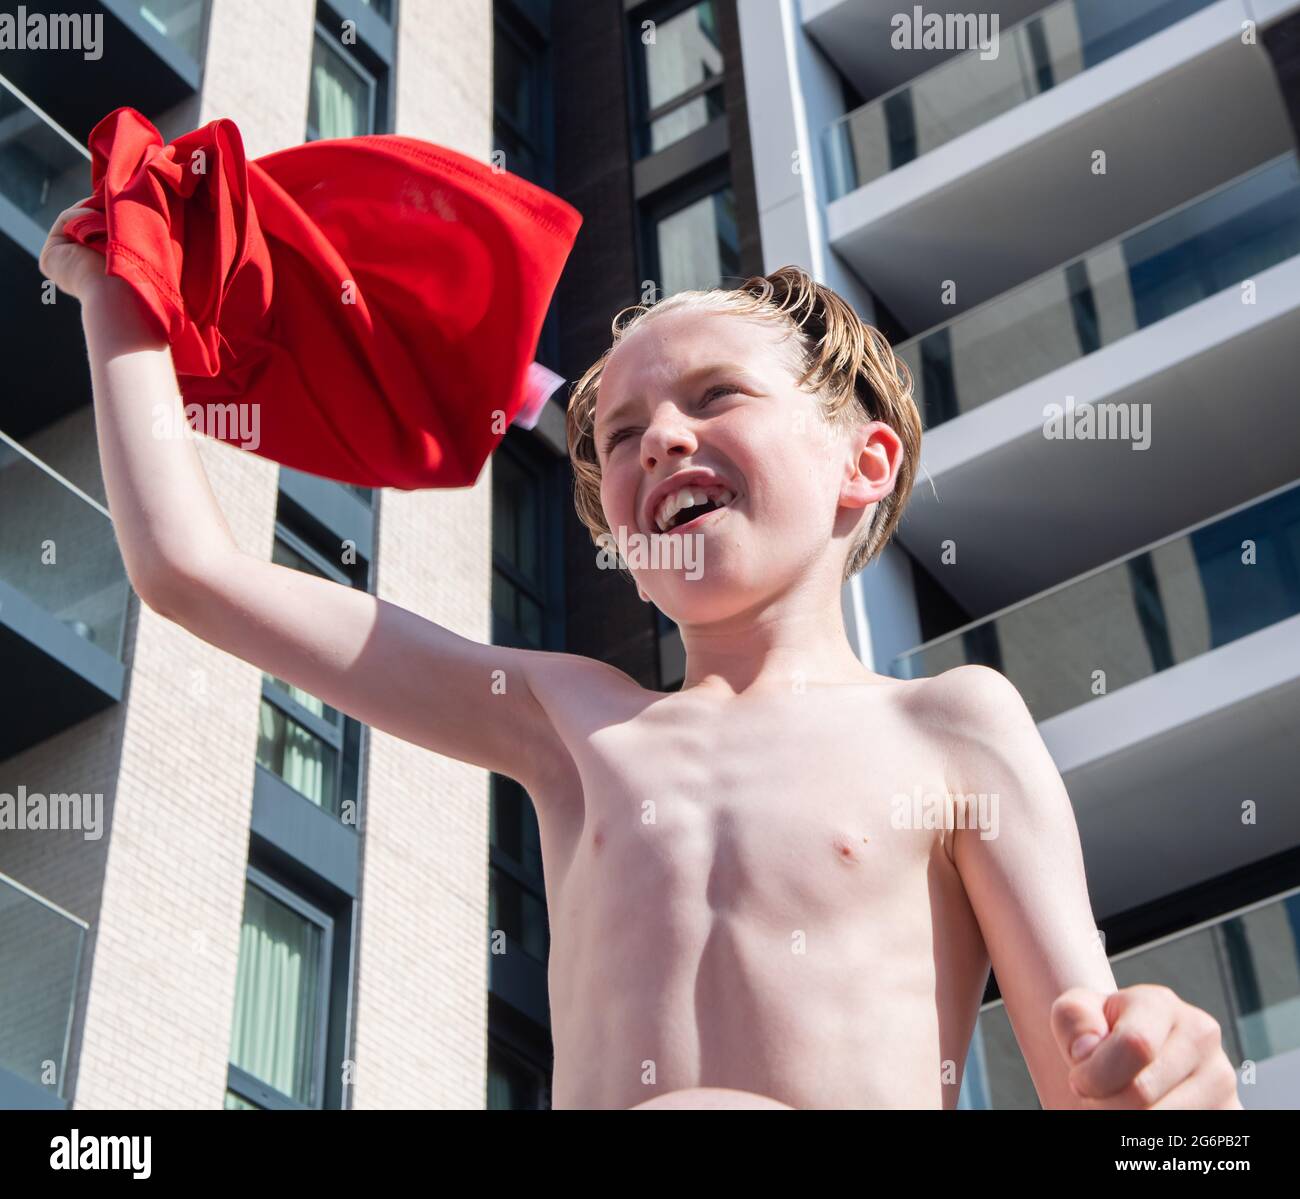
[{"x": 163, "y": 889}]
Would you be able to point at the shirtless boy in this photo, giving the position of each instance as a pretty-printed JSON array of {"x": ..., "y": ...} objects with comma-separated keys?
[{"x": 743, "y": 912}]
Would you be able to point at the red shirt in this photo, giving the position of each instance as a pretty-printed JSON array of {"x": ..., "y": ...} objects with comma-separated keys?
[{"x": 378, "y": 298}]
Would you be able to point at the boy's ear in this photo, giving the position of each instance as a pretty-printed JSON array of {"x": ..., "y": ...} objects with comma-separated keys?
[{"x": 875, "y": 455}]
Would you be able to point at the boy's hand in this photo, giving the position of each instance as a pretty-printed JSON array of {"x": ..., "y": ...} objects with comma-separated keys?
[
  {"x": 1142, "y": 1048},
  {"x": 72, "y": 267}
]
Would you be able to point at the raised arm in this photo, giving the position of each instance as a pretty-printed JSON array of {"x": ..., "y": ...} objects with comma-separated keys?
[{"x": 377, "y": 662}]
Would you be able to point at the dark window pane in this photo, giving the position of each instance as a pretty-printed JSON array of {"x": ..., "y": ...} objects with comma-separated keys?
[
  {"x": 520, "y": 157},
  {"x": 514, "y": 82},
  {"x": 514, "y": 824},
  {"x": 530, "y": 620},
  {"x": 516, "y": 516},
  {"x": 518, "y": 913},
  {"x": 512, "y": 1086},
  {"x": 503, "y": 599}
]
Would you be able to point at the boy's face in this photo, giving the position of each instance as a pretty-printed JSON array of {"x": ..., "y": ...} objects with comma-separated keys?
[{"x": 716, "y": 392}]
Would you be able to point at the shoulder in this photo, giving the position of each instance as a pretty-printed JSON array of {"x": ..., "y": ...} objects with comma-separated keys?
[
  {"x": 973, "y": 701},
  {"x": 576, "y": 694},
  {"x": 558, "y": 676},
  {"x": 986, "y": 734}
]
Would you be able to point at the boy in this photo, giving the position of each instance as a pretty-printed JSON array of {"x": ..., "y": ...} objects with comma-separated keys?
[{"x": 743, "y": 914}]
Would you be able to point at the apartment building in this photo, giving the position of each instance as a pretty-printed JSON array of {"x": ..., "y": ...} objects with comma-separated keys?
[
  {"x": 287, "y": 909},
  {"x": 278, "y": 907},
  {"x": 1084, "y": 239}
]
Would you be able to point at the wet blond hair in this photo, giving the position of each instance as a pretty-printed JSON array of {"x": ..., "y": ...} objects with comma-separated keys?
[{"x": 840, "y": 358}]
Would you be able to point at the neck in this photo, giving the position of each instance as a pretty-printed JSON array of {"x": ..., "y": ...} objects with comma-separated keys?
[{"x": 788, "y": 641}]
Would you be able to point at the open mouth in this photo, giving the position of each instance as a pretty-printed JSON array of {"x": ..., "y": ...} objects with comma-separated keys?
[
  {"x": 690, "y": 506},
  {"x": 688, "y": 518}
]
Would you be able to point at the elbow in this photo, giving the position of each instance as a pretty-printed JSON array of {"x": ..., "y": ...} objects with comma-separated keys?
[
  {"x": 164, "y": 590},
  {"x": 155, "y": 595}
]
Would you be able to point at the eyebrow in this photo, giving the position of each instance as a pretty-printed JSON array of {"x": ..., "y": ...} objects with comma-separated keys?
[{"x": 686, "y": 380}]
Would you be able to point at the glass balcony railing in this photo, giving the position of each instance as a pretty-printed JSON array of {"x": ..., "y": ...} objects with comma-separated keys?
[
  {"x": 1061, "y": 41},
  {"x": 42, "y": 168},
  {"x": 59, "y": 550},
  {"x": 1244, "y": 970},
  {"x": 1200, "y": 248},
  {"x": 183, "y": 21},
  {"x": 1228, "y": 577},
  {"x": 40, "y": 958}
]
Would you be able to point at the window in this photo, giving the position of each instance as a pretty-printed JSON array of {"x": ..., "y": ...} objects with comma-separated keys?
[
  {"x": 341, "y": 102},
  {"x": 301, "y": 739},
  {"x": 513, "y": 1083},
  {"x": 522, "y": 117},
  {"x": 679, "y": 76},
  {"x": 184, "y": 21},
  {"x": 516, "y": 888},
  {"x": 519, "y": 571},
  {"x": 277, "y": 1044},
  {"x": 517, "y": 89},
  {"x": 698, "y": 245}
]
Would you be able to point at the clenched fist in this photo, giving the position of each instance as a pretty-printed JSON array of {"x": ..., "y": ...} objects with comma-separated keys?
[
  {"x": 70, "y": 266},
  {"x": 1143, "y": 1048}
]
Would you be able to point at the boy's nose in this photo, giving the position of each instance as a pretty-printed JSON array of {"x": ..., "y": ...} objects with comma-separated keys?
[{"x": 667, "y": 437}]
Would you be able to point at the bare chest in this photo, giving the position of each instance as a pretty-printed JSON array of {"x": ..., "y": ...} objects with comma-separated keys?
[{"x": 766, "y": 809}]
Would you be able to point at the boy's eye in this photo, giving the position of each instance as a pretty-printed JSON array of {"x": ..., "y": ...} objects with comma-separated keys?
[
  {"x": 614, "y": 438},
  {"x": 717, "y": 389}
]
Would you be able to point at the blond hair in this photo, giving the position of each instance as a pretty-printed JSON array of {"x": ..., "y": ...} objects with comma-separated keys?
[{"x": 845, "y": 361}]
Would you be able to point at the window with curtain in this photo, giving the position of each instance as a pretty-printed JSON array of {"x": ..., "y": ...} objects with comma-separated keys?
[
  {"x": 698, "y": 246},
  {"x": 341, "y": 102},
  {"x": 298, "y": 757},
  {"x": 278, "y": 997}
]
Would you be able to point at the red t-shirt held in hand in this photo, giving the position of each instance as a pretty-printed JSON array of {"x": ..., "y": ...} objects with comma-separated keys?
[{"x": 379, "y": 299}]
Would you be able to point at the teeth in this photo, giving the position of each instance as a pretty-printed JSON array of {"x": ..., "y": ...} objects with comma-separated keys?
[{"x": 689, "y": 497}]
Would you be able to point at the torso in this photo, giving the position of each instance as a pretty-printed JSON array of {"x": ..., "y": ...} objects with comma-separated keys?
[{"x": 730, "y": 905}]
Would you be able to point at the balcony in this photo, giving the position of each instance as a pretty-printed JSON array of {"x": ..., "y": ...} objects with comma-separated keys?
[
  {"x": 993, "y": 179},
  {"x": 1041, "y": 53},
  {"x": 1159, "y": 325},
  {"x": 1167, "y": 687},
  {"x": 1202, "y": 248},
  {"x": 40, "y": 961},
  {"x": 1243, "y": 970},
  {"x": 42, "y": 171},
  {"x": 858, "y": 38},
  {"x": 63, "y": 596},
  {"x": 150, "y": 57}
]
